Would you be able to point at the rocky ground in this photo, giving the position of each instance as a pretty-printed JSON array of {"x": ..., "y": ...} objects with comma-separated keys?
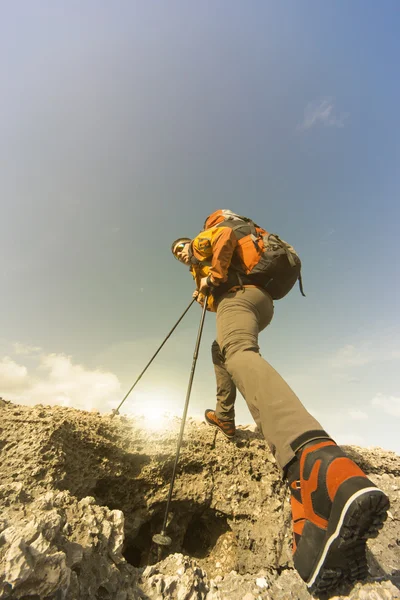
[{"x": 81, "y": 496}]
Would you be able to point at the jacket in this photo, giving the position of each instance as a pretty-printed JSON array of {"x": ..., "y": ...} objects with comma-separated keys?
[{"x": 211, "y": 254}]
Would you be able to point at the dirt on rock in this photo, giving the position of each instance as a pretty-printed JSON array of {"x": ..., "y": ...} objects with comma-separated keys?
[{"x": 81, "y": 496}]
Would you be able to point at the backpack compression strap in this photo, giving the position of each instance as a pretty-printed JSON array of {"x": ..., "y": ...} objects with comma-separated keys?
[{"x": 245, "y": 223}]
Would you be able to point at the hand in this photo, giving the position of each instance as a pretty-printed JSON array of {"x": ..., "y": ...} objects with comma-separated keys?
[
  {"x": 204, "y": 288},
  {"x": 198, "y": 297}
]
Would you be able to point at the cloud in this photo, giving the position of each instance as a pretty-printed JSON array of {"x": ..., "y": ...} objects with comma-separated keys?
[
  {"x": 350, "y": 356},
  {"x": 358, "y": 415},
  {"x": 26, "y": 349},
  {"x": 389, "y": 404},
  {"x": 364, "y": 354},
  {"x": 321, "y": 112},
  {"x": 12, "y": 375},
  {"x": 59, "y": 381}
]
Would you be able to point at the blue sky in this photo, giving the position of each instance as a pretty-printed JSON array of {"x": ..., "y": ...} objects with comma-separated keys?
[{"x": 124, "y": 124}]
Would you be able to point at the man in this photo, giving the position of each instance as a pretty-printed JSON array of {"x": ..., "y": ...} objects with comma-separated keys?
[{"x": 335, "y": 507}]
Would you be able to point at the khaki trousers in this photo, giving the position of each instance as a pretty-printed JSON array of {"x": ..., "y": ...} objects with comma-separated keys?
[{"x": 279, "y": 414}]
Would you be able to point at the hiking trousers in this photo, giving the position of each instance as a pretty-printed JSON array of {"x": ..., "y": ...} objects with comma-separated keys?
[{"x": 275, "y": 408}]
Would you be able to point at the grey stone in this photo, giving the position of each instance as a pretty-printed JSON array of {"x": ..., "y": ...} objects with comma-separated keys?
[{"x": 91, "y": 491}]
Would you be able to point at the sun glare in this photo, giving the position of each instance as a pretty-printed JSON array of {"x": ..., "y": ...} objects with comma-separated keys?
[{"x": 156, "y": 409}]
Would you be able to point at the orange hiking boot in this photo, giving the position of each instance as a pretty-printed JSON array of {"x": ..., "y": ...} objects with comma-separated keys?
[
  {"x": 227, "y": 427},
  {"x": 335, "y": 509}
]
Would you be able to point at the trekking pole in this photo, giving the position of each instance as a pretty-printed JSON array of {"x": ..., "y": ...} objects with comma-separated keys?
[
  {"x": 161, "y": 539},
  {"x": 116, "y": 410}
]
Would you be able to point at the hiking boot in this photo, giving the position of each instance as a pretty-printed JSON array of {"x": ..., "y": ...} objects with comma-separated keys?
[
  {"x": 335, "y": 509},
  {"x": 227, "y": 427}
]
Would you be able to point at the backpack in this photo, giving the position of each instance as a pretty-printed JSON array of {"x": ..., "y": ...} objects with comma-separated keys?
[{"x": 266, "y": 259}]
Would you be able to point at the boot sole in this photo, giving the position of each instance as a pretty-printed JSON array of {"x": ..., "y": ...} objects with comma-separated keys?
[
  {"x": 343, "y": 557},
  {"x": 229, "y": 437}
]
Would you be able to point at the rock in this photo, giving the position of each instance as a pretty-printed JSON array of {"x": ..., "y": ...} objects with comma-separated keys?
[
  {"x": 261, "y": 582},
  {"x": 82, "y": 495}
]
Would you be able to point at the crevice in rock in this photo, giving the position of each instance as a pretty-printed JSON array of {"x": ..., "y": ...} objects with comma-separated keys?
[
  {"x": 138, "y": 547},
  {"x": 203, "y": 532},
  {"x": 194, "y": 530}
]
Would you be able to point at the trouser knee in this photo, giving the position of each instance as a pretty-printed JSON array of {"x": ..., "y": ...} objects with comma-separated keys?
[{"x": 232, "y": 351}]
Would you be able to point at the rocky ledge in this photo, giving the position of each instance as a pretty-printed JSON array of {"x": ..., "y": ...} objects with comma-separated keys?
[{"x": 81, "y": 496}]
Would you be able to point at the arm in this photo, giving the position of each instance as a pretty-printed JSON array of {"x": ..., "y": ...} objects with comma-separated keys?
[{"x": 223, "y": 244}]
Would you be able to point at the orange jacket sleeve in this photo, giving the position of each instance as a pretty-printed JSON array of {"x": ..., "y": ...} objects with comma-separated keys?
[{"x": 223, "y": 244}]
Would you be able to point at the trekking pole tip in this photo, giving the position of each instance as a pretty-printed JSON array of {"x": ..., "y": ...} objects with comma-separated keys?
[
  {"x": 114, "y": 412},
  {"x": 161, "y": 539}
]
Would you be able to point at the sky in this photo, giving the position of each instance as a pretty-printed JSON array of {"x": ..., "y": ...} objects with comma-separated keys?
[{"x": 125, "y": 124}]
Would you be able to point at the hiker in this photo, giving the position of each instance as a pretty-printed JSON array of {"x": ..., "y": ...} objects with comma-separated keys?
[{"x": 335, "y": 507}]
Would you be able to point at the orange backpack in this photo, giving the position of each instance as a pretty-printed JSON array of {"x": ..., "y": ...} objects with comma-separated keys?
[{"x": 264, "y": 257}]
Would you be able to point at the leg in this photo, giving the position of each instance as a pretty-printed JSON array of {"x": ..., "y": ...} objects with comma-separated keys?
[
  {"x": 240, "y": 317},
  {"x": 335, "y": 507},
  {"x": 226, "y": 389}
]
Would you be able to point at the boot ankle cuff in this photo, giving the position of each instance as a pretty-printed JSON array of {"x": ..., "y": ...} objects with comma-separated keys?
[{"x": 307, "y": 437}]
